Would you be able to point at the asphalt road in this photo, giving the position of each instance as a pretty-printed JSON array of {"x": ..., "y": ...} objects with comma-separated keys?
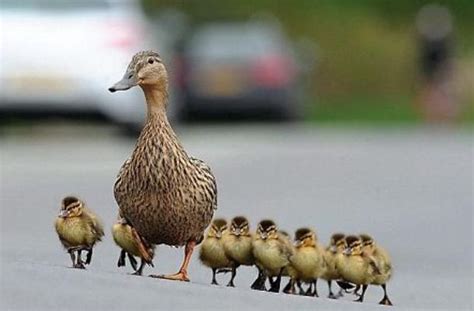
[{"x": 411, "y": 189}]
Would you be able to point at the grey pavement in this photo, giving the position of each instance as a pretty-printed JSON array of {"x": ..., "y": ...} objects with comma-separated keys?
[{"x": 410, "y": 188}]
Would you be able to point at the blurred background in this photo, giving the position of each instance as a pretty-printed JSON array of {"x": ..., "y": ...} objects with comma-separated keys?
[
  {"x": 351, "y": 116},
  {"x": 369, "y": 62}
]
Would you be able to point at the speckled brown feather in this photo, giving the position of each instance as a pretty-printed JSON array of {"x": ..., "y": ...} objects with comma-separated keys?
[{"x": 167, "y": 196}]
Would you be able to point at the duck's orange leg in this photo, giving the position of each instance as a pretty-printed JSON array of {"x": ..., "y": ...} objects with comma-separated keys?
[{"x": 182, "y": 274}]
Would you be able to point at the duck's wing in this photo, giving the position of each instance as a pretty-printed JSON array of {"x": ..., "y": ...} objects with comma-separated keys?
[
  {"x": 119, "y": 180},
  {"x": 96, "y": 224},
  {"x": 208, "y": 178},
  {"x": 146, "y": 250}
]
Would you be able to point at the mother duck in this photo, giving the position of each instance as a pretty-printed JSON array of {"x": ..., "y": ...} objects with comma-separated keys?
[{"x": 167, "y": 196}]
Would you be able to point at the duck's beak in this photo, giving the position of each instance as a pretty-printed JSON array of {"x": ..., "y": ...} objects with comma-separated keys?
[
  {"x": 128, "y": 81},
  {"x": 63, "y": 214}
]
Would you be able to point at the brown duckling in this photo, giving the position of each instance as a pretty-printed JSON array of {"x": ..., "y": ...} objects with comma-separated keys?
[
  {"x": 78, "y": 229},
  {"x": 307, "y": 263},
  {"x": 132, "y": 244},
  {"x": 356, "y": 267},
  {"x": 272, "y": 251},
  {"x": 168, "y": 196},
  {"x": 212, "y": 253},
  {"x": 383, "y": 262},
  {"x": 238, "y": 245},
  {"x": 335, "y": 247}
]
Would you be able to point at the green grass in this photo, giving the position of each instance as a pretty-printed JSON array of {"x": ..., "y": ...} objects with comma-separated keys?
[{"x": 364, "y": 109}]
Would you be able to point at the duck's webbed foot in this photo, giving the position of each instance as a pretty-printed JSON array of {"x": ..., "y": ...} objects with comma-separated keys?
[
  {"x": 139, "y": 271},
  {"x": 89, "y": 255},
  {"x": 290, "y": 287},
  {"x": 182, "y": 274},
  {"x": 214, "y": 280},
  {"x": 385, "y": 300},
  {"x": 259, "y": 283},
  {"x": 275, "y": 284},
  {"x": 121, "y": 260},
  {"x": 361, "y": 296},
  {"x": 231, "y": 282}
]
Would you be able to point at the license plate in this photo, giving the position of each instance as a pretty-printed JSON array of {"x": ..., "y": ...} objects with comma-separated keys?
[{"x": 223, "y": 83}]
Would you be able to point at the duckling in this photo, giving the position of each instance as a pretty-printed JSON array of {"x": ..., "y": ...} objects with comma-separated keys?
[
  {"x": 238, "y": 245},
  {"x": 272, "y": 251},
  {"x": 212, "y": 253},
  {"x": 335, "y": 247},
  {"x": 127, "y": 238},
  {"x": 307, "y": 263},
  {"x": 355, "y": 266},
  {"x": 383, "y": 262},
  {"x": 78, "y": 229},
  {"x": 168, "y": 196}
]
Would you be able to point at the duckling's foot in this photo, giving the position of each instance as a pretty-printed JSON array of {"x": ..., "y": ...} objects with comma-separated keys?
[
  {"x": 345, "y": 286},
  {"x": 361, "y": 296},
  {"x": 121, "y": 260},
  {"x": 332, "y": 296},
  {"x": 289, "y": 288},
  {"x": 385, "y": 301},
  {"x": 79, "y": 265},
  {"x": 340, "y": 294},
  {"x": 231, "y": 282},
  {"x": 180, "y": 276}
]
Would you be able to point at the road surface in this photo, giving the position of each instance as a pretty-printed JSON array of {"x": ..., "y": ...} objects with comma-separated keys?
[{"x": 411, "y": 189}]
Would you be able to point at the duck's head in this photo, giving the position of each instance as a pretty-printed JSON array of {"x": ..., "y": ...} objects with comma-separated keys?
[
  {"x": 217, "y": 229},
  {"x": 368, "y": 242},
  {"x": 71, "y": 207},
  {"x": 335, "y": 245},
  {"x": 354, "y": 246},
  {"x": 267, "y": 229},
  {"x": 305, "y": 237},
  {"x": 239, "y": 226},
  {"x": 146, "y": 70}
]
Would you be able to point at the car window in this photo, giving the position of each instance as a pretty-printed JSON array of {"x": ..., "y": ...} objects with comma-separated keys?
[{"x": 236, "y": 42}]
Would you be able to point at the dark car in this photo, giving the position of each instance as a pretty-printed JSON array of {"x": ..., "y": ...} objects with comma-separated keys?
[{"x": 239, "y": 69}]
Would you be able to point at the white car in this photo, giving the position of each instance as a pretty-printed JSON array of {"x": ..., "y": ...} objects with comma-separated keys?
[{"x": 63, "y": 55}]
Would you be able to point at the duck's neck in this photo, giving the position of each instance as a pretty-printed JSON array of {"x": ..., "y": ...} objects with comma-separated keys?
[
  {"x": 157, "y": 130},
  {"x": 156, "y": 101}
]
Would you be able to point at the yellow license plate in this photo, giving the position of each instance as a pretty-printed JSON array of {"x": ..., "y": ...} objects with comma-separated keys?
[{"x": 223, "y": 82}]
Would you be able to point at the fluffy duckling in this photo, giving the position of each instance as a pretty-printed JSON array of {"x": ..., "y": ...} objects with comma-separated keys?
[
  {"x": 132, "y": 244},
  {"x": 383, "y": 262},
  {"x": 272, "y": 251},
  {"x": 307, "y": 263},
  {"x": 238, "y": 245},
  {"x": 78, "y": 229},
  {"x": 212, "y": 253},
  {"x": 355, "y": 266},
  {"x": 336, "y": 247}
]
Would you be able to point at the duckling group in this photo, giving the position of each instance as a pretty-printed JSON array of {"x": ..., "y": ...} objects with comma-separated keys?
[
  {"x": 165, "y": 196},
  {"x": 352, "y": 261}
]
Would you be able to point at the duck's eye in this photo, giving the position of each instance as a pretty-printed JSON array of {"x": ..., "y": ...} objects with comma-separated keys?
[{"x": 151, "y": 61}]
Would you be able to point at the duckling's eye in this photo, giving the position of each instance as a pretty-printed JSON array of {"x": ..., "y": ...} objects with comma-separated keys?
[
  {"x": 130, "y": 76},
  {"x": 151, "y": 61}
]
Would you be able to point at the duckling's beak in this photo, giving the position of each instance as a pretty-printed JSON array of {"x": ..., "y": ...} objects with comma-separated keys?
[
  {"x": 333, "y": 248},
  {"x": 128, "y": 81},
  {"x": 347, "y": 251},
  {"x": 264, "y": 235},
  {"x": 218, "y": 234},
  {"x": 237, "y": 231},
  {"x": 63, "y": 214}
]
